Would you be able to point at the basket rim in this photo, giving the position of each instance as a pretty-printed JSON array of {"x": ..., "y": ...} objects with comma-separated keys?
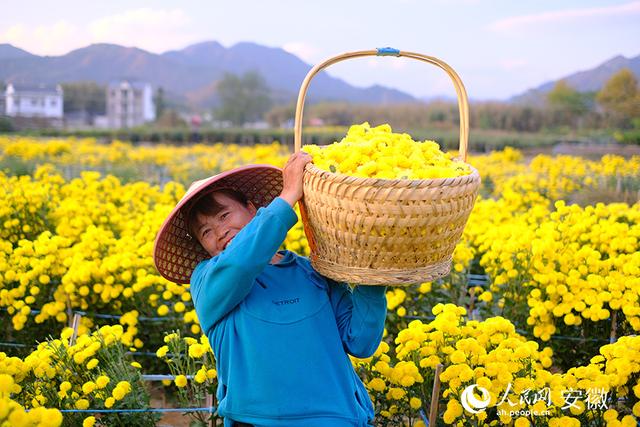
[{"x": 384, "y": 182}]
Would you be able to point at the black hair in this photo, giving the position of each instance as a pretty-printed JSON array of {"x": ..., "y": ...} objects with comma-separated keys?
[{"x": 207, "y": 205}]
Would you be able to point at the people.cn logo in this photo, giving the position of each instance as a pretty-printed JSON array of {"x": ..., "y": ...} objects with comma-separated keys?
[{"x": 471, "y": 403}]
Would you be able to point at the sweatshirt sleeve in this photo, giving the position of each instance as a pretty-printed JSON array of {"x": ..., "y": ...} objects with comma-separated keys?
[
  {"x": 220, "y": 283},
  {"x": 360, "y": 316}
]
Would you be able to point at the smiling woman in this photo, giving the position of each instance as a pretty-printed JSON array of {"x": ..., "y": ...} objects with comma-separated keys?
[
  {"x": 254, "y": 301},
  {"x": 217, "y": 217}
]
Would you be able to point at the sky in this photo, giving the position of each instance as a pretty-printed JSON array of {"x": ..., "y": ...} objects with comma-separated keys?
[{"x": 499, "y": 48}]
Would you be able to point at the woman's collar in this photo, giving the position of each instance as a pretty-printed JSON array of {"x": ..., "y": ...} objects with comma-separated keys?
[{"x": 287, "y": 257}]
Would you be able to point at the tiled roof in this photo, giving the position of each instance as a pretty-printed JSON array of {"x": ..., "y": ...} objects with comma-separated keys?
[{"x": 38, "y": 88}]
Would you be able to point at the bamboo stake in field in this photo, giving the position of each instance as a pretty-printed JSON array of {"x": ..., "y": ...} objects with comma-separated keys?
[
  {"x": 435, "y": 395},
  {"x": 75, "y": 323}
]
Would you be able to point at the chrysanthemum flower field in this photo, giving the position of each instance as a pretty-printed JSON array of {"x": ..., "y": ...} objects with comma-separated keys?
[{"x": 541, "y": 309}]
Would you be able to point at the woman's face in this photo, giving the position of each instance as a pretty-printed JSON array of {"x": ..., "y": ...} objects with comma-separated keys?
[{"x": 215, "y": 232}]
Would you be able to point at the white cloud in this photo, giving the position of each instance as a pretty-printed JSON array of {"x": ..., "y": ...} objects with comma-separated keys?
[
  {"x": 153, "y": 30},
  {"x": 149, "y": 29},
  {"x": 55, "y": 39},
  {"x": 302, "y": 50},
  {"x": 562, "y": 16}
]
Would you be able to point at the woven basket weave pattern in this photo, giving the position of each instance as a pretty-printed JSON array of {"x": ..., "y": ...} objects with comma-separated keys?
[
  {"x": 372, "y": 231},
  {"x": 385, "y": 232}
]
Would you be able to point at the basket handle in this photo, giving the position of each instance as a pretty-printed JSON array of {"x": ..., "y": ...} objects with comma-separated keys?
[{"x": 463, "y": 102}]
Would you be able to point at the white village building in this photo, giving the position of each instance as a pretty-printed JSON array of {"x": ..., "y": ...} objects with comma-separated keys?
[
  {"x": 21, "y": 100},
  {"x": 129, "y": 104}
]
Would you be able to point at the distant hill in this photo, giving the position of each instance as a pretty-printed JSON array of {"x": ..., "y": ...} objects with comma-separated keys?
[
  {"x": 190, "y": 75},
  {"x": 8, "y": 51},
  {"x": 583, "y": 81}
]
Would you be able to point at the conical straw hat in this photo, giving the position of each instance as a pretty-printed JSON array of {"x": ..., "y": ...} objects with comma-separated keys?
[{"x": 175, "y": 253}]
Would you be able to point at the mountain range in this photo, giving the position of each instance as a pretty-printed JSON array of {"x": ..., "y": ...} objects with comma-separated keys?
[
  {"x": 190, "y": 76},
  {"x": 583, "y": 81}
]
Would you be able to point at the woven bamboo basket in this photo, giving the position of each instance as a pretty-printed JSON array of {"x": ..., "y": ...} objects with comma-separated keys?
[{"x": 379, "y": 231}]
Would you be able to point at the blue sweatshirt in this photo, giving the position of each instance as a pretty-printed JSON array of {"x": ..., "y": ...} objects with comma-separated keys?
[{"x": 281, "y": 333}]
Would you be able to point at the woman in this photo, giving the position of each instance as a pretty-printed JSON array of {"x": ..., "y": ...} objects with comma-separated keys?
[{"x": 281, "y": 333}]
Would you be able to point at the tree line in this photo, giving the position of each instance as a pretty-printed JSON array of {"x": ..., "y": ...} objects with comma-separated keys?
[
  {"x": 247, "y": 98},
  {"x": 616, "y": 105}
]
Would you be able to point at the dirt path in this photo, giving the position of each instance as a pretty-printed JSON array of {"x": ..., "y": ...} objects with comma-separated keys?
[{"x": 169, "y": 419}]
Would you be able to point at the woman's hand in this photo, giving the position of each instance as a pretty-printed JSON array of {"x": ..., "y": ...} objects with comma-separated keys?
[{"x": 292, "y": 177}]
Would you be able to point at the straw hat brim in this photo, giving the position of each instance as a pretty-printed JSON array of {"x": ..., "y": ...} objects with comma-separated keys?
[{"x": 175, "y": 253}]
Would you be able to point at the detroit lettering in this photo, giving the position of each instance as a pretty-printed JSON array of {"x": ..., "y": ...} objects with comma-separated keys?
[{"x": 287, "y": 301}]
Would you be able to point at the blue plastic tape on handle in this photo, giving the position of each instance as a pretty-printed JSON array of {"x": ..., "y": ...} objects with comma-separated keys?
[{"x": 388, "y": 51}]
